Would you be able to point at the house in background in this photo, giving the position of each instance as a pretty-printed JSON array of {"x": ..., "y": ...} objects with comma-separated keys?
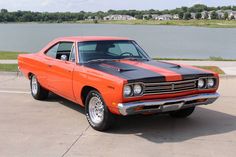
[
  {"x": 193, "y": 15},
  {"x": 209, "y": 15},
  {"x": 119, "y": 17},
  {"x": 155, "y": 16},
  {"x": 220, "y": 14},
  {"x": 204, "y": 15},
  {"x": 165, "y": 17},
  {"x": 175, "y": 17},
  {"x": 91, "y": 18},
  {"x": 232, "y": 15}
]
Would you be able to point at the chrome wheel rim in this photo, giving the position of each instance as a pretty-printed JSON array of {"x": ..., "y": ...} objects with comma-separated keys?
[
  {"x": 34, "y": 85},
  {"x": 96, "y": 110}
]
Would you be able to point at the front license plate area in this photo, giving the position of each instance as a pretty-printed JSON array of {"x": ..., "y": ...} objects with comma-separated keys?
[{"x": 172, "y": 107}]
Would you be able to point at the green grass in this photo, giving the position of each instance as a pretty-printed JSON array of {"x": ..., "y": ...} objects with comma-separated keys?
[
  {"x": 199, "y": 23},
  {"x": 9, "y": 55},
  {"x": 212, "y": 58},
  {"x": 9, "y": 67},
  {"x": 212, "y": 68}
]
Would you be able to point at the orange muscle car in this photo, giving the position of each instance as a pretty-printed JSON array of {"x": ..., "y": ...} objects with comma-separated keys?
[{"x": 111, "y": 75}]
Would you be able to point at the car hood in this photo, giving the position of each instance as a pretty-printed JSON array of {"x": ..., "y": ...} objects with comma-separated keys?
[{"x": 149, "y": 71}]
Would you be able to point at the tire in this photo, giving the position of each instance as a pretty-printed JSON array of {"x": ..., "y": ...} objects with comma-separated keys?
[
  {"x": 97, "y": 113},
  {"x": 37, "y": 91},
  {"x": 182, "y": 113}
]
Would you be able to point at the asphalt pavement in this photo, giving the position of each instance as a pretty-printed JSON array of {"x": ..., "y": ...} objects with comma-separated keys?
[{"x": 57, "y": 127}]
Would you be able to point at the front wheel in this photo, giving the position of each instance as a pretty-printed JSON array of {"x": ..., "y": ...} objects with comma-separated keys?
[
  {"x": 182, "y": 113},
  {"x": 97, "y": 113},
  {"x": 37, "y": 91}
]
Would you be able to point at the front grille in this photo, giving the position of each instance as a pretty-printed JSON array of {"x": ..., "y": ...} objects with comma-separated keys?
[{"x": 169, "y": 87}]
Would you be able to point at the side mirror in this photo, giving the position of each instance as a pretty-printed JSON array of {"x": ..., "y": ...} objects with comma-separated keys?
[{"x": 64, "y": 57}]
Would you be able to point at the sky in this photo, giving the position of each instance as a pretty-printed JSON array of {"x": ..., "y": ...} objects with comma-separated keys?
[{"x": 103, "y": 5}]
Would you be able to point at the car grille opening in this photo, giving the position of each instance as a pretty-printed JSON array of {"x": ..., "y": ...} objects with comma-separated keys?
[{"x": 169, "y": 87}]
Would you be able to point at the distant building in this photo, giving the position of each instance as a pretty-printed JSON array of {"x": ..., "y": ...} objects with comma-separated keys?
[
  {"x": 176, "y": 17},
  {"x": 119, "y": 17},
  {"x": 228, "y": 11},
  {"x": 165, "y": 17},
  {"x": 91, "y": 18},
  {"x": 193, "y": 15},
  {"x": 155, "y": 16},
  {"x": 209, "y": 15},
  {"x": 232, "y": 14},
  {"x": 220, "y": 14},
  {"x": 204, "y": 15}
]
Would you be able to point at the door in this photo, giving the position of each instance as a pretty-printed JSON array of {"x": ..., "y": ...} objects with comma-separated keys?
[{"x": 60, "y": 72}]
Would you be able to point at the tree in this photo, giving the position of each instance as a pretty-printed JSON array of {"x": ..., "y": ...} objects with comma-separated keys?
[
  {"x": 181, "y": 15},
  {"x": 187, "y": 16},
  {"x": 139, "y": 16},
  {"x": 4, "y": 11},
  {"x": 185, "y": 9},
  {"x": 1, "y": 17},
  {"x": 198, "y": 15},
  {"x": 214, "y": 15},
  {"x": 226, "y": 15},
  {"x": 234, "y": 8},
  {"x": 198, "y": 8}
]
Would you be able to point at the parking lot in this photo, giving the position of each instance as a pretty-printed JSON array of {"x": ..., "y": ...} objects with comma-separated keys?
[{"x": 57, "y": 127}]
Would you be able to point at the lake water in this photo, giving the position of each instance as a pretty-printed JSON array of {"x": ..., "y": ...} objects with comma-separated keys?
[{"x": 161, "y": 41}]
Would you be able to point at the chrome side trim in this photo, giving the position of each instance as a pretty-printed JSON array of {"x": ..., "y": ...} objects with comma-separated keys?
[{"x": 158, "y": 105}]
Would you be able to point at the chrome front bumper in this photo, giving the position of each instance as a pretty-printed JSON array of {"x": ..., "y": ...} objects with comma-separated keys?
[{"x": 166, "y": 105}]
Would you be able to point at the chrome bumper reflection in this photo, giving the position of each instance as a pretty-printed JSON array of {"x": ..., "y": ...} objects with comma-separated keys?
[{"x": 165, "y": 105}]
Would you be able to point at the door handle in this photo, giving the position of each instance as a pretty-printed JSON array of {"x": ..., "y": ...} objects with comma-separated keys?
[{"x": 49, "y": 65}]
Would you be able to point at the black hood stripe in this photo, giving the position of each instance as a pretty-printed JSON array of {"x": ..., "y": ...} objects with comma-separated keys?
[
  {"x": 187, "y": 72},
  {"x": 128, "y": 72}
]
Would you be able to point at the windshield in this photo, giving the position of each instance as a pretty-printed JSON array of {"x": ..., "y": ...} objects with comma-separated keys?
[{"x": 110, "y": 50}]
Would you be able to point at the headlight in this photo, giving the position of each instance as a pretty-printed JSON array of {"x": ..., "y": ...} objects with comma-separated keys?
[
  {"x": 210, "y": 83},
  {"x": 127, "y": 90},
  {"x": 138, "y": 89},
  {"x": 201, "y": 83}
]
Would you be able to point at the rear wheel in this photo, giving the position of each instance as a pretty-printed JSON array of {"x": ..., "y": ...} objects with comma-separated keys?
[
  {"x": 97, "y": 113},
  {"x": 182, "y": 113},
  {"x": 37, "y": 91}
]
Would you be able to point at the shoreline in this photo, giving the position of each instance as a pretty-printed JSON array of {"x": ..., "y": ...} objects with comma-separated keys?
[{"x": 186, "y": 23}]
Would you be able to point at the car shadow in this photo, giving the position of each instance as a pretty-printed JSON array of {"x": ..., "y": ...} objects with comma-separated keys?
[
  {"x": 162, "y": 128},
  {"x": 56, "y": 98}
]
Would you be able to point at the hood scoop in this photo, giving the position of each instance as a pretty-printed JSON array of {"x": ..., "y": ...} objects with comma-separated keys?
[
  {"x": 172, "y": 65},
  {"x": 115, "y": 67},
  {"x": 176, "y": 66}
]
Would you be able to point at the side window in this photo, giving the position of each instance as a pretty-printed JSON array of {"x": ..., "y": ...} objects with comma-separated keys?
[
  {"x": 64, "y": 49},
  {"x": 52, "y": 52},
  {"x": 72, "y": 54}
]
